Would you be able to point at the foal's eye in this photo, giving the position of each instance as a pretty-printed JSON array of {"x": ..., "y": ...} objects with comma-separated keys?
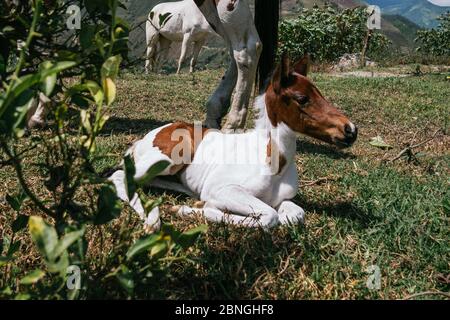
[{"x": 302, "y": 99}]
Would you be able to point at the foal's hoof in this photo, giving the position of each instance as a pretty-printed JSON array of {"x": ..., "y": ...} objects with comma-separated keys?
[
  {"x": 153, "y": 222},
  {"x": 149, "y": 229},
  {"x": 175, "y": 209},
  {"x": 199, "y": 204},
  {"x": 289, "y": 213},
  {"x": 185, "y": 210},
  {"x": 35, "y": 123}
]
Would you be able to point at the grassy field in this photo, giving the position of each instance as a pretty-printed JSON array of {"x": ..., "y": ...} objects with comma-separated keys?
[{"x": 362, "y": 210}]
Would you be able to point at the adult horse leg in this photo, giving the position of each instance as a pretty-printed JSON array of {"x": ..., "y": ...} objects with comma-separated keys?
[
  {"x": 246, "y": 56},
  {"x": 184, "y": 48},
  {"x": 196, "y": 51},
  {"x": 152, "y": 39},
  {"x": 163, "y": 51},
  {"x": 219, "y": 102},
  {"x": 38, "y": 112}
]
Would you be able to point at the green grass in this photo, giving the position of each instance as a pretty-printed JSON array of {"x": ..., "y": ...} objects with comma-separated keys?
[{"x": 361, "y": 210}]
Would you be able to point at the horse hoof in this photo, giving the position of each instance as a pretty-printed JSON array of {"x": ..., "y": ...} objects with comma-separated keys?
[
  {"x": 152, "y": 228},
  {"x": 174, "y": 209},
  {"x": 199, "y": 204}
]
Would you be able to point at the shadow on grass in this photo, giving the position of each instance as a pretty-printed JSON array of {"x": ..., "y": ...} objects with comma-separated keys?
[
  {"x": 308, "y": 147},
  {"x": 229, "y": 265},
  {"x": 340, "y": 209},
  {"x": 131, "y": 126},
  {"x": 237, "y": 263}
]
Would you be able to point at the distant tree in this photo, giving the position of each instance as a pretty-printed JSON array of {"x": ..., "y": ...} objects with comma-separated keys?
[
  {"x": 327, "y": 33},
  {"x": 436, "y": 41}
]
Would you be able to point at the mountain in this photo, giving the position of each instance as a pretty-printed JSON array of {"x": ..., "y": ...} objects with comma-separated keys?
[{"x": 422, "y": 12}]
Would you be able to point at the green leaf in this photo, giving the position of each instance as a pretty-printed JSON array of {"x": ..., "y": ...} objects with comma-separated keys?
[
  {"x": 153, "y": 171},
  {"x": 151, "y": 204},
  {"x": 378, "y": 142},
  {"x": 109, "y": 87},
  {"x": 130, "y": 171},
  {"x": 159, "y": 249},
  {"x": 85, "y": 118},
  {"x": 13, "y": 248},
  {"x": 13, "y": 203},
  {"x": 59, "y": 264},
  {"x": 22, "y": 296},
  {"x": 94, "y": 6},
  {"x": 21, "y": 86},
  {"x": 142, "y": 245},
  {"x": 48, "y": 82},
  {"x": 67, "y": 240},
  {"x": 125, "y": 278},
  {"x": 108, "y": 204},
  {"x": 87, "y": 35},
  {"x": 55, "y": 68},
  {"x": 44, "y": 236},
  {"x": 15, "y": 115},
  {"x": 188, "y": 238},
  {"x": 95, "y": 91},
  {"x": 102, "y": 121},
  {"x": 2, "y": 65},
  {"x": 32, "y": 277},
  {"x": 4, "y": 260},
  {"x": 110, "y": 67},
  {"x": 16, "y": 201},
  {"x": 20, "y": 223}
]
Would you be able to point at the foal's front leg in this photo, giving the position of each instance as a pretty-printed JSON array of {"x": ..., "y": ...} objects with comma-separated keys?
[
  {"x": 245, "y": 209},
  {"x": 289, "y": 212},
  {"x": 152, "y": 221}
]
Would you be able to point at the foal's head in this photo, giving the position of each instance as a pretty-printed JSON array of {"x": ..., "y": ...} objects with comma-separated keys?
[{"x": 294, "y": 100}]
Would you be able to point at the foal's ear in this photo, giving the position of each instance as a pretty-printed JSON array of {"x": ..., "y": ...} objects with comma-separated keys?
[
  {"x": 302, "y": 65},
  {"x": 282, "y": 74}
]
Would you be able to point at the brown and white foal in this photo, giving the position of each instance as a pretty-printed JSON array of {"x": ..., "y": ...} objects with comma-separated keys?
[{"x": 246, "y": 178}]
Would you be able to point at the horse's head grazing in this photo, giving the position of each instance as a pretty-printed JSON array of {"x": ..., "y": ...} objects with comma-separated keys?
[{"x": 294, "y": 100}]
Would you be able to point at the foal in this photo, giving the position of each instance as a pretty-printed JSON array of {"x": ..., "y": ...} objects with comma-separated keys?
[{"x": 252, "y": 176}]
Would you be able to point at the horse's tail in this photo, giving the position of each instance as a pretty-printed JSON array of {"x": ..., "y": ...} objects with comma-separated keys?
[{"x": 151, "y": 30}]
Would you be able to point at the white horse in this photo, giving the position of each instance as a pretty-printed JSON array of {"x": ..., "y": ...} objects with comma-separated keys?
[
  {"x": 169, "y": 22},
  {"x": 233, "y": 21}
]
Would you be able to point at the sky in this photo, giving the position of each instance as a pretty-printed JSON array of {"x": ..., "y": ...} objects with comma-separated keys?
[{"x": 441, "y": 2}]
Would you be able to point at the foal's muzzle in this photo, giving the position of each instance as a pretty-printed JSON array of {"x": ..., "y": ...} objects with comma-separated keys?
[{"x": 351, "y": 134}]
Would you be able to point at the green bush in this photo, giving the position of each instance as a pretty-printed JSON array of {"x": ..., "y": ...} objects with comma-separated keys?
[
  {"x": 328, "y": 33},
  {"x": 75, "y": 70},
  {"x": 436, "y": 41}
]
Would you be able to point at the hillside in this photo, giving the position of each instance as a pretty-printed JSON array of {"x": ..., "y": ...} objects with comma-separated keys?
[
  {"x": 400, "y": 30},
  {"x": 421, "y": 12}
]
